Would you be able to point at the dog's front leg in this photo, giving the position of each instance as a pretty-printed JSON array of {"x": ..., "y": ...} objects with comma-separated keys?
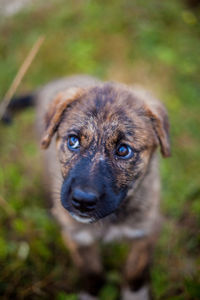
[
  {"x": 88, "y": 260},
  {"x": 136, "y": 271}
]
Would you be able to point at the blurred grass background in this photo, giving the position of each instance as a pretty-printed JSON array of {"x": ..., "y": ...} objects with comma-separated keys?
[{"x": 153, "y": 43}]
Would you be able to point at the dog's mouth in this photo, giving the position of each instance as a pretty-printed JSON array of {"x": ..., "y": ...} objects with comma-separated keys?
[
  {"x": 82, "y": 217},
  {"x": 89, "y": 217}
]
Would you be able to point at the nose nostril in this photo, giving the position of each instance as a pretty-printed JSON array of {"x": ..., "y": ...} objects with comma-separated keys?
[
  {"x": 75, "y": 203},
  {"x": 84, "y": 201}
]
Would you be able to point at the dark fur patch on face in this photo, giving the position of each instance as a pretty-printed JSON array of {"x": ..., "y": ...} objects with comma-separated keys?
[{"x": 104, "y": 118}]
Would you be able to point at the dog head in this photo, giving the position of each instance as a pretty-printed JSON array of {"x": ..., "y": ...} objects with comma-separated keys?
[{"x": 106, "y": 136}]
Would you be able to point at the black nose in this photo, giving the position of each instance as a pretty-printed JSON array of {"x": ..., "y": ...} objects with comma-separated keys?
[{"x": 84, "y": 201}]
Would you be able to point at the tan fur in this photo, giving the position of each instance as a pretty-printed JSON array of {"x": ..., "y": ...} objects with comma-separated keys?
[{"x": 140, "y": 257}]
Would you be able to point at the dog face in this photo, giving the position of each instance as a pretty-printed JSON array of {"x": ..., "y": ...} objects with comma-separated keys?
[{"x": 105, "y": 139}]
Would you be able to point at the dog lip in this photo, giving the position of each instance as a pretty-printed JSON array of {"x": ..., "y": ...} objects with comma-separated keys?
[
  {"x": 83, "y": 215},
  {"x": 81, "y": 218}
]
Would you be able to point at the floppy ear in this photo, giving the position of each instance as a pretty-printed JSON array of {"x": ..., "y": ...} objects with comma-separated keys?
[
  {"x": 55, "y": 112},
  {"x": 158, "y": 116},
  {"x": 159, "y": 119}
]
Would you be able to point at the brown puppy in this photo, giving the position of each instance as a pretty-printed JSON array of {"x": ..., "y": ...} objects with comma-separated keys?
[{"x": 102, "y": 162}]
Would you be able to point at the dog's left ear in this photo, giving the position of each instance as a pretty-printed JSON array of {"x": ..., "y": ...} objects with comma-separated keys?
[
  {"x": 157, "y": 113},
  {"x": 55, "y": 112}
]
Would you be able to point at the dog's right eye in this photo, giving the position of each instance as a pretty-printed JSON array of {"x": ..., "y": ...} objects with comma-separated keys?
[{"x": 73, "y": 142}]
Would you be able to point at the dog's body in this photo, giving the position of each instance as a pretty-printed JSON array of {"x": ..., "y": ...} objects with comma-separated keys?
[{"x": 104, "y": 154}]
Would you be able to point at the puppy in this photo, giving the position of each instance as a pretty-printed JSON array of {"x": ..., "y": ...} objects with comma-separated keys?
[{"x": 100, "y": 141}]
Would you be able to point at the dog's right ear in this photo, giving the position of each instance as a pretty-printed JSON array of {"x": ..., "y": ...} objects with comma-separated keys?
[{"x": 55, "y": 112}]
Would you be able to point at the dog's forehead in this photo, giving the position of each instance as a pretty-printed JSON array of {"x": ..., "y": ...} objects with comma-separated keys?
[{"x": 106, "y": 109}]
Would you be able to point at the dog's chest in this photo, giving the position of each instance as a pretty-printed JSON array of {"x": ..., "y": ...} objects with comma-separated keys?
[{"x": 107, "y": 235}]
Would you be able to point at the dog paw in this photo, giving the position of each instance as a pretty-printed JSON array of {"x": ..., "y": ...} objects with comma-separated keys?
[{"x": 141, "y": 294}]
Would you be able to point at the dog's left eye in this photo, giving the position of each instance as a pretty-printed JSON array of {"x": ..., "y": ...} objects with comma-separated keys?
[
  {"x": 73, "y": 142},
  {"x": 124, "y": 151}
]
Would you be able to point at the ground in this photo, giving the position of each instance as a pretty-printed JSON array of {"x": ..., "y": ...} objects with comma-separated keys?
[{"x": 152, "y": 43}]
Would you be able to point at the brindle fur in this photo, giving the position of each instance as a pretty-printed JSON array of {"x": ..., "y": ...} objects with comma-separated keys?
[{"x": 103, "y": 115}]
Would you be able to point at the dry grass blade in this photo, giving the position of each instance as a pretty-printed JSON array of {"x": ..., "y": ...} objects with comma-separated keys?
[{"x": 18, "y": 78}]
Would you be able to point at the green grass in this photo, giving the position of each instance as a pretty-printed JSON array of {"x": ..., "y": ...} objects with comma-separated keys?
[{"x": 153, "y": 43}]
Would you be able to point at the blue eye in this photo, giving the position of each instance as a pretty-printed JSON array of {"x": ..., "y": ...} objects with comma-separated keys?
[
  {"x": 73, "y": 142},
  {"x": 124, "y": 151}
]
